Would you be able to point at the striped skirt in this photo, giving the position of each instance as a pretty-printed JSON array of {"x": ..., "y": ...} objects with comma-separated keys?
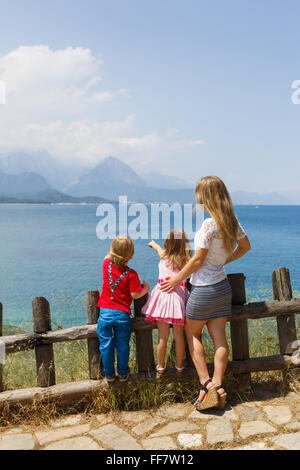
[{"x": 208, "y": 302}]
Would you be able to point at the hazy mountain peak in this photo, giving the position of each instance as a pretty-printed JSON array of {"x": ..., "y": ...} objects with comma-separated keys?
[
  {"x": 114, "y": 169},
  {"x": 110, "y": 177}
]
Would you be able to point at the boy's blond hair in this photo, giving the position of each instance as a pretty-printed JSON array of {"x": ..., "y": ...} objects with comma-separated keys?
[{"x": 121, "y": 250}]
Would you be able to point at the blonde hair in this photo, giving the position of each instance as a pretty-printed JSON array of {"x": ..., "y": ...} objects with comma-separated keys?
[
  {"x": 121, "y": 250},
  {"x": 177, "y": 249},
  {"x": 213, "y": 194}
]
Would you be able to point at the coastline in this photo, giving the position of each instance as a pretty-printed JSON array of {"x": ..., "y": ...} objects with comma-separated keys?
[{"x": 87, "y": 203}]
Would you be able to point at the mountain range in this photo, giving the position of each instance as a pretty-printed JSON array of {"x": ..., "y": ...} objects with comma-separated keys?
[
  {"x": 27, "y": 176},
  {"x": 112, "y": 178},
  {"x": 57, "y": 174},
  {"x": 30, "y": 187},
  {"x": 22, "y": 184}
]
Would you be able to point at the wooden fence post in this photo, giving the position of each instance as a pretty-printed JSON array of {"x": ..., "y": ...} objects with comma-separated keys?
[
  {"x": 1, "y": 333},
  {"x": 239, "y": 329},
  {"x": 286, "y": 325},
  {"x": 43, "y": 353},
  {"x": 144, "y": 341},
  {"x": 94, "y": 357}
]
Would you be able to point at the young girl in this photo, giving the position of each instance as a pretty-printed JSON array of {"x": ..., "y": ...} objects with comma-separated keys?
[
  {"x": 120, "y": 286},
  {"x": 169, "y": 309}
]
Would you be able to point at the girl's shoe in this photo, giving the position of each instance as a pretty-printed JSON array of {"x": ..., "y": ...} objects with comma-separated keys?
[
  {"x": 211, "y": 398},
  {"x": 222, "y": 398},
  {"x": 110, "y": 379},
  {"x": 179, "y": 370},
  {"x": 160, "y": 371},
  {"x": 124, "y": 378}
]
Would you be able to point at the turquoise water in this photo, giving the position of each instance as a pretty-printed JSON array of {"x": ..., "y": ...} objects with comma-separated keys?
[{"x": 52, "y": 251}]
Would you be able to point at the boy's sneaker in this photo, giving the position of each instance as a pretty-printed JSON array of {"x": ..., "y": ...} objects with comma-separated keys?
[
  {"x": 124, "y": 378},
  {"x": 110, "y": 379}
]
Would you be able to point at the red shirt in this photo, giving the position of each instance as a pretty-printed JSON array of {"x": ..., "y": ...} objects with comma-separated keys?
[{"x": 122, "y": 293}]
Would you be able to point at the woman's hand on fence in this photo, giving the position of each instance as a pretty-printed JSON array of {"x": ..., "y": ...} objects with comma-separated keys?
[{"x": 170, "y": 284}]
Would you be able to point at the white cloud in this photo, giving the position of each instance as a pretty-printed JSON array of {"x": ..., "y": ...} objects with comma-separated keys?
[
  {"x": 55, "y": 100},
  {"x": 27, "y": 67},
  {"x": 46, "y": 84}
]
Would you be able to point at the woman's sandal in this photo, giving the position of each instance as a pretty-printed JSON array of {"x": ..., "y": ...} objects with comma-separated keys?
[
  {"x": 160, "y": 371},
  {"x": 210, "y": 400},
  {"x": 222, "y": 398},
  {"x": 179, "y": 370}
]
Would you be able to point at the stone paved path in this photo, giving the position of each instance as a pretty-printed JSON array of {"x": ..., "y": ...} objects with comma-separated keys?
[{"x": 271, "y": 424}]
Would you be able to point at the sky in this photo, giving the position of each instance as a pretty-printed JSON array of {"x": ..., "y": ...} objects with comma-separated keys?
[{"x": 187, "y": 88}]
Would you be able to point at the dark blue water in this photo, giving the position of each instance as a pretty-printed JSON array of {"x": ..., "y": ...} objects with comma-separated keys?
[{"x": 53, "y": 251}]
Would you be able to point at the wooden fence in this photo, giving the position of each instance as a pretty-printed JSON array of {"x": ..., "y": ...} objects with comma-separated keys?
[{"x": 43, "y": 338}]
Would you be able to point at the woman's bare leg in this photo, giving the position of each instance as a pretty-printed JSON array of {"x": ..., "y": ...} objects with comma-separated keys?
[
  {"x": 163, "y": 336},
  {"x": 216, "y": 329},
  {"x": 179, "y": 344},
  {"x": 193, "y": 330}
]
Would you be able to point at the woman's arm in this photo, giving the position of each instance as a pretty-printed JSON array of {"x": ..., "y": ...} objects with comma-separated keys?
[
  {"x": 157, "y": 248},
  {"x": 191, "y": 267},
  {"x": 242, "y": 248},
  {"x": 144, "y": 291}
]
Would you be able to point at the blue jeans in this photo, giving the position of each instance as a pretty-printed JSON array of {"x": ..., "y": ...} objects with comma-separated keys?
[{"x": 114, "y": 331}]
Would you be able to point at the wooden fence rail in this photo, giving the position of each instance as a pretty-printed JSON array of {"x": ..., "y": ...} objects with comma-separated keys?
[
  {"x": 252, "y": 311},
  {"x": 43, "y": 338}
]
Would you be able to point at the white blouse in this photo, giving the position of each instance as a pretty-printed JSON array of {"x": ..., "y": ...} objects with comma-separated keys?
[{"x": 212, "y": 270}]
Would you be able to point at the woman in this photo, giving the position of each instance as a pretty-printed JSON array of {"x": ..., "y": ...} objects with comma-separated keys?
[{"x": 220, "y": 240}]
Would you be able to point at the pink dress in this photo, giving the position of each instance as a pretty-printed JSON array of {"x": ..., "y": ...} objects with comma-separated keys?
[{"x": 161, "y": 306}]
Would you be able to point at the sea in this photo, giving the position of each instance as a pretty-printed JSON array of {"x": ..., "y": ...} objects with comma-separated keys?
[{"x": 53, "y": 251}]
